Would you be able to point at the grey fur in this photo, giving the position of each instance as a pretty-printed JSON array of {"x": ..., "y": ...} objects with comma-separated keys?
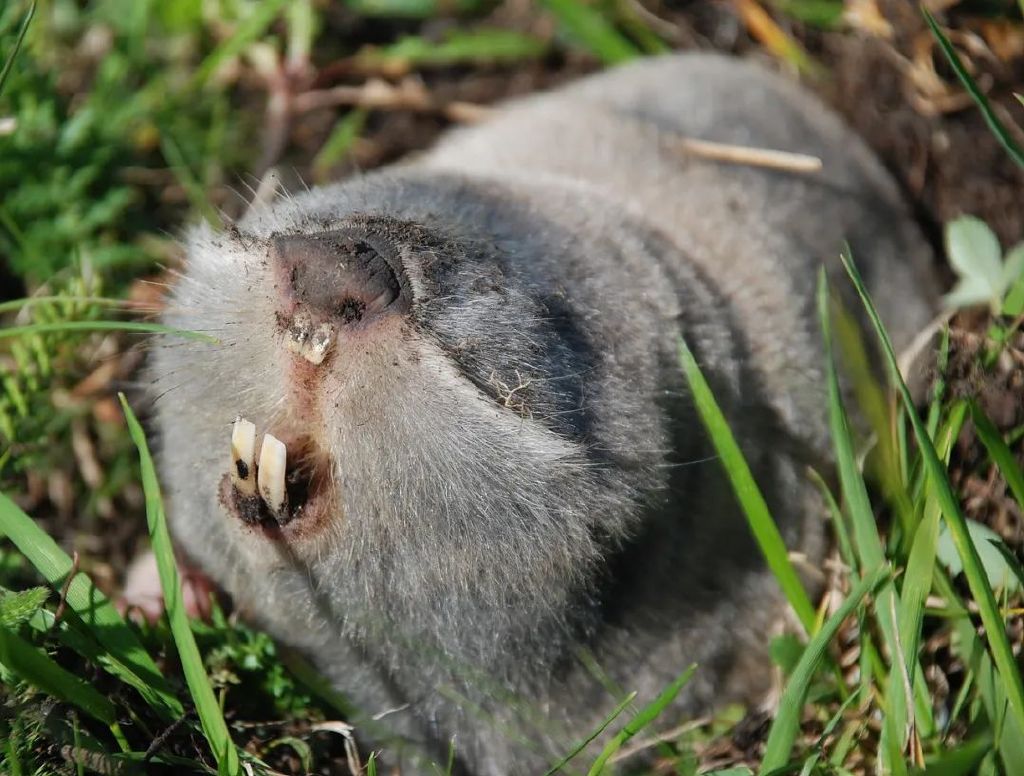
[{"x": 525, "y": 494}]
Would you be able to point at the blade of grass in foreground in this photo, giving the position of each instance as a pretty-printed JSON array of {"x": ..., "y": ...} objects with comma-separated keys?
[
  {"x": 968, "y": 647},
  {"x": 120, "y": 651},
  {"x": 960, "y": 761},
  {"x": 867, "y": 541},
  {"x": 977, "y": 580},
  {"x": 157, "y": 328},
  {"x": 210, "y": 717},
  {"x": 999, "y": 452},
  {"x": 749, "y": 495},
  {"x": 41, "y": 671},
  {"x": 592, "y": 30},
  {"x": 994, "y": 124},
  {"x": 9, "y": 63},
  {"x": 917, "y": 578},
  {"x": 643, "y": 718},
  {"x": 594, "y": 734},
  {"x": 786, "y": 726},
  {"x": 256, "y": 22},
  {"x": 32, "y": 301}
]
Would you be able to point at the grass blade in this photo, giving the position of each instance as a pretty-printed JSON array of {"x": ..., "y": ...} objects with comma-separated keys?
[
  {"x": 188, "y": 181},
  {"x": 251, "y": 28},
  {"x": 838, "y": 522},
  {"x": 32, "y": 301},
  {"x": 41, "y": 671},
  {"x": 120, "y": 651},
  {"x": 999, "y": 452},
  {"x": 592, "y": 30},
  {"x": 344, "y": 135},
  {"x": 919, "y": 572},
  {"x": 786, "y": 726},
  {"x": 210, "y": 717},
  {"x": 749, "y": 495},
  {"x": 967, "y": 646},
  {"x": 917, "y": 581},
  {"x": 62, "y": 326},
  {"x": 593, "y": 735},
  {"x": 994, "y": 124},
  {"x": 960, "y": 761},
  {"x": 643, "y": 718},
  {"x": 977, "y": 580},
  {"x": 22, "y": 32},
  {"x": 486, "y": 45}
]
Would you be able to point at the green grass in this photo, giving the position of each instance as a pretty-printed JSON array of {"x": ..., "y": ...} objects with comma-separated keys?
[
  {"x": 210, "y": 716},
  {"x": 109, "y": 150}
]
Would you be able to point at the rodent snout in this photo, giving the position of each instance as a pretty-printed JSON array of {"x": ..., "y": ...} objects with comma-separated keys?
[{"x": 341, "y": 276}]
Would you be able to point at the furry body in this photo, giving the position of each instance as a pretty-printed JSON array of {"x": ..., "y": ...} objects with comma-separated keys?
[{"x": 519, "y": 485}]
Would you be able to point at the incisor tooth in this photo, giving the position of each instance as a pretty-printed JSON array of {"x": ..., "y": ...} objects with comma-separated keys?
[
  {"x": 309, "y": 342},
  {"x": 243, "y": 456},
  {"x": 315, "y": 350},
  {"x": 270, "y": 476}
]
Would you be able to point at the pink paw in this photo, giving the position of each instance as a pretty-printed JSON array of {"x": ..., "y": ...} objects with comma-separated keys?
[{"x": 142, "y": 596}]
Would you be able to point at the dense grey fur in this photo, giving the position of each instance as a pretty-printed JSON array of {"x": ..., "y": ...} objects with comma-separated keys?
[{"x": 527, "y": 516}]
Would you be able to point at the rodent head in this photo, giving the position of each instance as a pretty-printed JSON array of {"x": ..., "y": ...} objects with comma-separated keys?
[{"x": 438, "y": 399}]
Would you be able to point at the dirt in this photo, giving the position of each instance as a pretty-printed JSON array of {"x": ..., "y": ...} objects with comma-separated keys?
[
  {"x": 936, "y": 143},
  {"x": 895, "y": 89}
]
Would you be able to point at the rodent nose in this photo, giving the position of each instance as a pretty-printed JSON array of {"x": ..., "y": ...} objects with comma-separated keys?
[{"x": 343, "y": 276}]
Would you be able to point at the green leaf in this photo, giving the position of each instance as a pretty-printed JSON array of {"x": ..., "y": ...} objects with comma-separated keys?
[
  {"x": 1013, "y": 265},
  {"x": 969, "y": 292},
  {"x": 1013, "y": 280},
  {"x": 210, "y": 716},
  {"x": 1013, "y": 304},
  {"x": 786, "y": 725},
  {"x": 975, "y": 254},
  {"x": 643, "y": 718},
  {"x": 747, "y": 493},
  {"x": 1000, "y": 575},
  {"x": 16, "y": 608}
]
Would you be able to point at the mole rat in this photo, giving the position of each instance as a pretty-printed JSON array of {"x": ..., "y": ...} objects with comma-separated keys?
[{"x": 443, "y": 446}]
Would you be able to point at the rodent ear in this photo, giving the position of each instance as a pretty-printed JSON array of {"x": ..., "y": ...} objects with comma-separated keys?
[{"x": 343, "y": 274}]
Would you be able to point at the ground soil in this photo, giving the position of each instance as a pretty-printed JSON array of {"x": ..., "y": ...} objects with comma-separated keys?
[{"x": 893, "y": 87}]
